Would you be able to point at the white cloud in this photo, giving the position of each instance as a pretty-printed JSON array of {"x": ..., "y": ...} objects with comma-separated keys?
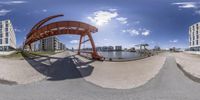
[
  {"x": 152, "y": 42},
  {"x": 122, "y": 20},
  {"x": 189, "y": 5},
  {"x": 186, "y": 4},
  {"x": 195, "y": 6},
  {"x": 44, "y": 10},
  {"x": 3, "y": 12},
  {"x": 197, "y": 12},
  {"x": 112, "y": 10},
  {"x": 145, "y": 32},
  {"x": 12, "y": 2},
  {"x": 134, "y": 32},
  {"x": 17, "y": 30},
  {"x": 74, "y": 41},
  {"x": 173, "y": 41},
  {"x": 137, "y": 22},
  {"x": 103, "y": 17}
]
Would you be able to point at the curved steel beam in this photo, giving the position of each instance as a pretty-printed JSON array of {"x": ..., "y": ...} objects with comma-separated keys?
[
  {"x": 39, "y": 32},
  {"x": 39, "y": 24},
  {"x": 62, "y": 27}
]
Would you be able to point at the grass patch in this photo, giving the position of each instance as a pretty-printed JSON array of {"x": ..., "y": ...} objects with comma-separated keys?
[
  {"x": 17, "y": 54},
  {"x": 24, "y": 54},
  {"x": 43, "y": 53}
]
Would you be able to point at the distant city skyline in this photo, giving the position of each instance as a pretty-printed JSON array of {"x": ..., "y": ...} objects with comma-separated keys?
[{"x": 157, "y": 22}]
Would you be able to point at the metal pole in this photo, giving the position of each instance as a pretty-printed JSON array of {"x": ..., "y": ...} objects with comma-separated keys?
[{"x": 79, "y": 48}]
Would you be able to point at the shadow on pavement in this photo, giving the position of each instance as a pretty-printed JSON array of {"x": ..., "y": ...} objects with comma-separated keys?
[
  {"x": 6, "y": 82},
  {"x": 190, "y": 76},
  {"x": 61, "y": 69}
]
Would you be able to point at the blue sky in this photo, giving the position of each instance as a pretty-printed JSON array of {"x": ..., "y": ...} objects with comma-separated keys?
[{"x": 120, "y": 22}]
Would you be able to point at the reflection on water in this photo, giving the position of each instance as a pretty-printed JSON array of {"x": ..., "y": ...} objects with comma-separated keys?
[{"x": 119, "y": 54}]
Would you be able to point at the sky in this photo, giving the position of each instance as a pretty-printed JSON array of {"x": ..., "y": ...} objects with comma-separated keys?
[{"x": 120, "y": 22}]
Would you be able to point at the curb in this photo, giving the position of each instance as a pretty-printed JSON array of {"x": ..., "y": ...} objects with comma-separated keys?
[{"x": 189, "y": 75}]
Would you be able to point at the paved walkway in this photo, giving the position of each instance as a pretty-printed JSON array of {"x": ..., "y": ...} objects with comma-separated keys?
[
  {"x": 190, "y": 63},
  {"x": 32, "y": 70},
  {"x": 18, "y": 71},
  {"x": 124, "y": 75},
  {"x": 169, "y": 84}
]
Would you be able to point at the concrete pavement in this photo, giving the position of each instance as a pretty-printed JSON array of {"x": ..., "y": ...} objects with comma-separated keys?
[
  {"x": 189, "y": 63},
  {"x": 124, "y": 75},
  {"x": 18, "y": 71},
  {"x": 169, "y": 84}
]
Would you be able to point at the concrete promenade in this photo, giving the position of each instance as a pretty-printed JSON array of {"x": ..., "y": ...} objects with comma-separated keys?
[
  {"x": 124, "y": 75},
  {"x": 24, "y": 71},
  {"x": 190, "y": 63},
  {"x": 18, "y": 71},
  {"x": 169, "y": 84}
]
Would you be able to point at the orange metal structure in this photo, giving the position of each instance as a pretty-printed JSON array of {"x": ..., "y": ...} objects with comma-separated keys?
[{"x": 41, "y": 31}]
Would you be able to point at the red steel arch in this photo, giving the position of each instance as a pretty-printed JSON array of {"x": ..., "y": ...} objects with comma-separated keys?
[{"x": 41, "y": 31}]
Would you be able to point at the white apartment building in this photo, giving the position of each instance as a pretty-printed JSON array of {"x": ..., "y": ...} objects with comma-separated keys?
[
  {"x": 7, "y": 36},
  {"x": 118, "y": 48},
  {"x": 51, "y": 44},
  {"x": 194, "y": 37}
]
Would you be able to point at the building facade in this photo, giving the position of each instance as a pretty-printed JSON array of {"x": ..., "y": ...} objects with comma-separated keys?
[
  {"x": 109, "y": 48},
  {"x": 118, "y": 48},
  {"x": 35, "y": 46},
  {"x": 51, "y": 44},
  {"x": 7, "y": 36},
  {"x": 194, "y": 37}
]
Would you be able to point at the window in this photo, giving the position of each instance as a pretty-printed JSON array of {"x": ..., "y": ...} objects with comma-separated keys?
[
  {"x": 1, "y": 26},
  {"x": 0, "y": 41},
  {"x": 1, "y": 35},
  {"x": 197, "y": 42},
  {"x": 6, "y": 34},
  {"x": 6, "y": 29},
  {"x": 6, "y": 40},
  {"x": 6, "y": 23},
  {"x": 1, "y": 48}
]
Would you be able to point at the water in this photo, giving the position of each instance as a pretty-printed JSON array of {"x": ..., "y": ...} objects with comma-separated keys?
[{"x": 120, "y": 55}]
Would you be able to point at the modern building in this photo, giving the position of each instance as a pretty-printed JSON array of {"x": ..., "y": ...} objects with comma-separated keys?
[
  {"x": 104, "y": 48},
  {"x": 51, "y": 44},
  {"x": 35, "y": 46},
  {"x": 61, "y": 46},
  {"x": 110, "y": 48},
  {"x": 7, "y": 36},
  {"x": 99, "y": 48},
  {"x": 194, "y": 39},
  {"x": 118, "y": 48}
]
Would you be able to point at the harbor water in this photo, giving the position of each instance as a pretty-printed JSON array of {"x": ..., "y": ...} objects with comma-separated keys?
[{"x": 120, "y": 55}]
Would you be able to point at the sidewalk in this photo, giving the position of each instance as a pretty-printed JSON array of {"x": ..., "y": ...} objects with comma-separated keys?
[
  {"x": 189, "y": 63},
  {"x": 18, "y": 71},
  {"x": 124, "y": 75},
  {"x": 22, "y": 71}
]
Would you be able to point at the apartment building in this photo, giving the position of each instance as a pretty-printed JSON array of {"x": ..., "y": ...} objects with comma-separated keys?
[
  {"x": 194, "y": 39},
  {"x": 7, "y": 36},
  {"x": 51, "y": 44}
]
